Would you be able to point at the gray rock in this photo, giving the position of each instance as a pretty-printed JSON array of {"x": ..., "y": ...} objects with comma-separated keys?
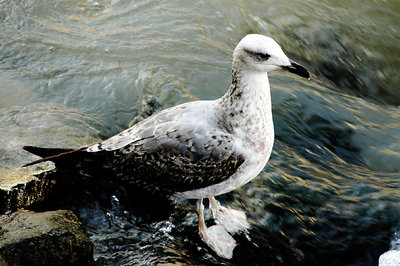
[
  {"x": 47, "y": 238},
  {"x": 22, "y": 188}
]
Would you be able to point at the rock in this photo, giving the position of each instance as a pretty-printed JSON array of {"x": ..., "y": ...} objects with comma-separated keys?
[
  {"x": 46, "y": 238},
  {"x": 21, "y": 188},
  {"x": 390, "y": 258}
]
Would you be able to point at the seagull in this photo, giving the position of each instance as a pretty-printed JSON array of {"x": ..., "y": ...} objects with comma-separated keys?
[{"x": 199, "y": 149}]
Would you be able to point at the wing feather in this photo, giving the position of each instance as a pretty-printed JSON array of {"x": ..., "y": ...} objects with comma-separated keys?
[
  {"x": 177, "y": 160},
  {"x": 170, "y": 152}
]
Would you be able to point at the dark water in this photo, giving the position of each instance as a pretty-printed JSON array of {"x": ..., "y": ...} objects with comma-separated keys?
[{"x": 75, "y": 72}]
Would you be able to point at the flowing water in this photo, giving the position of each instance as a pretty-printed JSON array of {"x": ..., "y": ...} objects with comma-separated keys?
[{"x": 76, "y": 72}]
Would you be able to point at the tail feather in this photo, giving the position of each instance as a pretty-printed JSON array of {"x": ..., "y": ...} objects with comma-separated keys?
[{"x": 48, "y": 154}]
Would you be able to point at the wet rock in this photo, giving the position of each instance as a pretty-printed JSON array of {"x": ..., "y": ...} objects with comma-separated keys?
[
  {"x": 47, "y": 238},
  {"x": 21, "y": 188}
]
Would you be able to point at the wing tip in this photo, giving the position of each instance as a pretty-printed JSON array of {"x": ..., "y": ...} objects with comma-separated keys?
[
  {"x": 47, "y": 154},
  {"x": 28, "y": 148},
  {"x": 31, "y": 149}
]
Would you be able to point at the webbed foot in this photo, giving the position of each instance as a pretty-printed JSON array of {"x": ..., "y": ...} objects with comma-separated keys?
[{"x": 232, "y": 220}]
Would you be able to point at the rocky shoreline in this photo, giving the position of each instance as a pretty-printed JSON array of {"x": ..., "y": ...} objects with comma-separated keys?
[{"x": 27, "y": 237}]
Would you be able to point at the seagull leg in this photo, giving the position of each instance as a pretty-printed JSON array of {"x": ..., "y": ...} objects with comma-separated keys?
[
  {"x": 216, "y": 237},
  {"x": 232, "y": 220},
  {"x": 200, "y": 217}
]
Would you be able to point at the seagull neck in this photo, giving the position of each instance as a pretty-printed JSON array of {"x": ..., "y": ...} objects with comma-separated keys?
[
  {"x": 246, "y": 106},
  {"x": 249, "y": 86}
]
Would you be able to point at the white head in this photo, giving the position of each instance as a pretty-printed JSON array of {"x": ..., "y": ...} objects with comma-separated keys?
[{"x": 260, "y": 53}]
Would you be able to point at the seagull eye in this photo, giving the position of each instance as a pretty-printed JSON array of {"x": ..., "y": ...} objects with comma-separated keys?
[
  {"x": 259, "y": 56},
  {"x": 263, "y": 56}
]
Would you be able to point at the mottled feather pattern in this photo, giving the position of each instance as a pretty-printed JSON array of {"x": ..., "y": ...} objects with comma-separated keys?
[
  {"x": 160, "y": 173},
  {"x": 161, "y": 165},
  {"x": 167, "y": 153},
  {"x": 176, "y": 159}
]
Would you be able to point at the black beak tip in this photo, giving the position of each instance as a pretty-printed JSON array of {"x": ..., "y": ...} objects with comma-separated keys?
[{"x": 297, "y": 69}]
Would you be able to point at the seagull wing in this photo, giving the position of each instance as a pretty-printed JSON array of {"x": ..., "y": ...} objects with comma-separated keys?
[
  {"x": 178, "y": 159},
  {"x": 172, "y": 151}
]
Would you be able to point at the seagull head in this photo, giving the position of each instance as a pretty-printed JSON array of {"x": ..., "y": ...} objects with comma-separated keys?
[{"x": 260, "y": 53}]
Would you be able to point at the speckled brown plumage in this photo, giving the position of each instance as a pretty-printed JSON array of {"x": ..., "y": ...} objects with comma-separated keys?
[{"x": 162, "y": 166}]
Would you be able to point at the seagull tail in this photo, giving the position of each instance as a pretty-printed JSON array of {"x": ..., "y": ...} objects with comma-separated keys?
[{"x": 48, "y": 154}]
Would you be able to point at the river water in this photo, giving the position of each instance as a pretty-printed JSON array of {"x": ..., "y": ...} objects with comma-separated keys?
[{"x": 76, "y": 72}]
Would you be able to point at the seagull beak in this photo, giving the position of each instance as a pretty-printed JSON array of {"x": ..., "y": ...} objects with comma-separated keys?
[{"x": 297, "y": 69}]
